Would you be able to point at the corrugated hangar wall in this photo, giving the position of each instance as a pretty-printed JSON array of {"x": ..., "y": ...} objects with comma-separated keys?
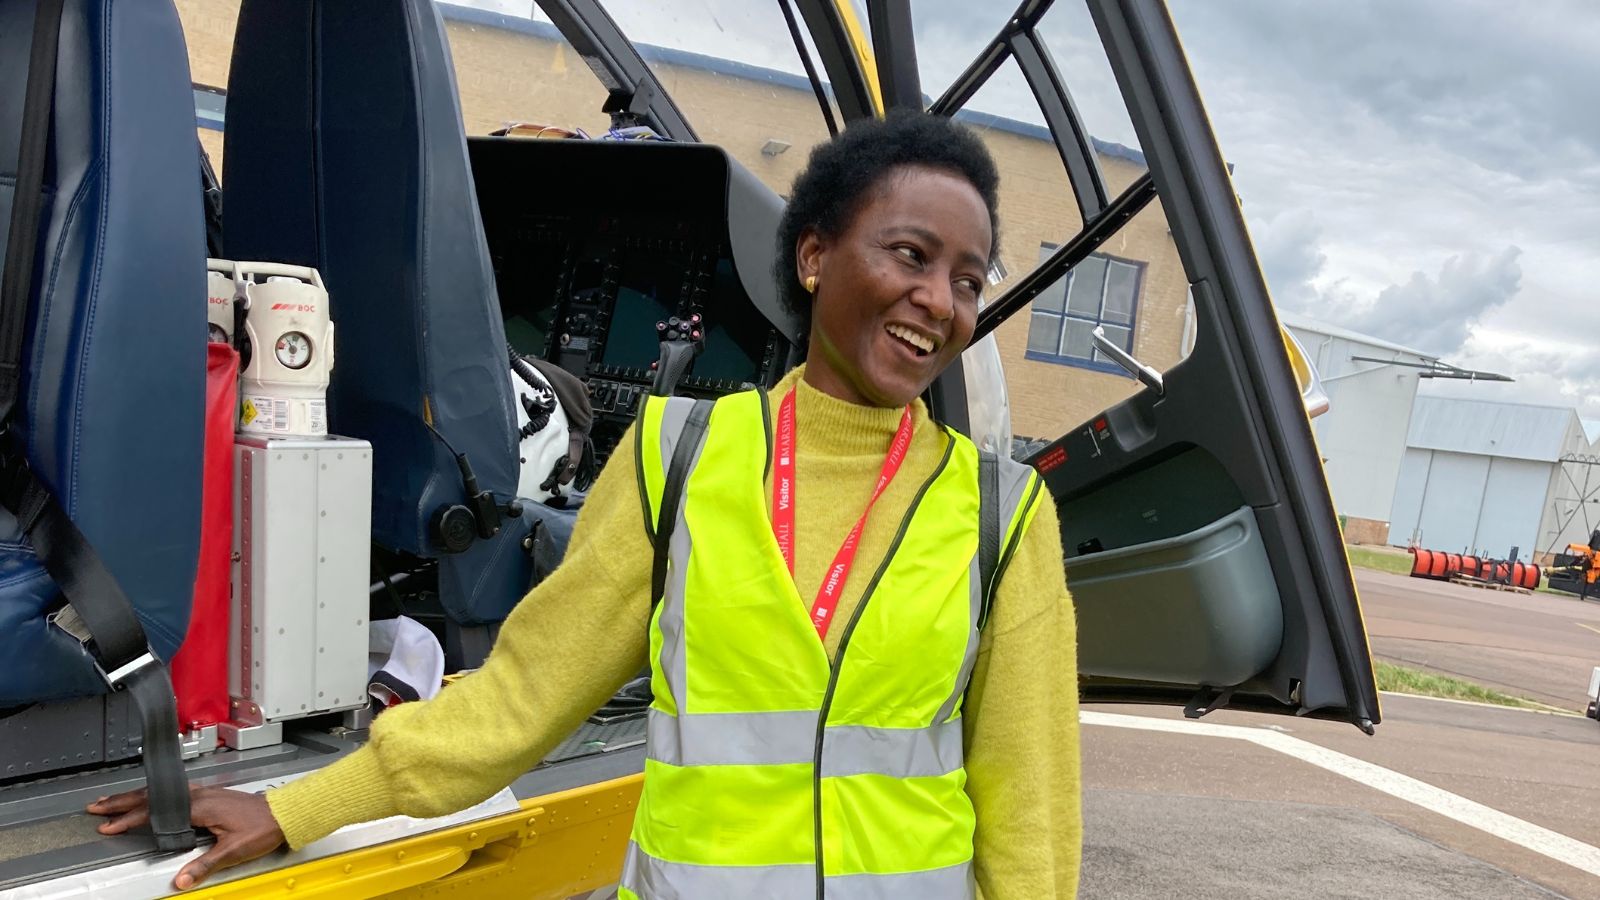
[
  {"x": 1469, "y": 502},
  {"x": 1371, "y": 385}
]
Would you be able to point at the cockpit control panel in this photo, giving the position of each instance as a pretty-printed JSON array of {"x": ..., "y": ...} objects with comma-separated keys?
[{"x": 601, "y": 247}]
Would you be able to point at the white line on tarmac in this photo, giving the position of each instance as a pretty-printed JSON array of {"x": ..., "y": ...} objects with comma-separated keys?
[{"x": 1543, "y": 841}]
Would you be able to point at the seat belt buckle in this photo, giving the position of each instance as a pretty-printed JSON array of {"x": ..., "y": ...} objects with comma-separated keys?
[
  {"x": 67, "y": 619},
  {"x": 117, "y": 677}
]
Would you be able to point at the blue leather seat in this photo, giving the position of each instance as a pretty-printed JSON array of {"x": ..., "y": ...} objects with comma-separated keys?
[
  {"x": 115, "y": 356},
  {"x": 345, "y": 151}
]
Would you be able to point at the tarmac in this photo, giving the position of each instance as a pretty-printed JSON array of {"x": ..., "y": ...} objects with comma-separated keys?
[{"x": 1448, "y": 800}]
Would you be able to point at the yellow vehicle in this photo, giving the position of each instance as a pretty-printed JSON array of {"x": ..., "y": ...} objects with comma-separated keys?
[{"x": 595, "y": 184}]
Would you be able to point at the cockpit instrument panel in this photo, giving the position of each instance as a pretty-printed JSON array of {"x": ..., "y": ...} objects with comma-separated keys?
[{"x": 595, "y": 242}]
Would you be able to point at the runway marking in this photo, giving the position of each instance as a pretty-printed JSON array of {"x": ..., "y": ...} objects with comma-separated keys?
[
  {"x": 1543, "y": 841},
  {"x": 1590, "y": 627}
]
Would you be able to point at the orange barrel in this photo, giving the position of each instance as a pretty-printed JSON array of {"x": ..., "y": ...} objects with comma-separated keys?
[
  {"x": 1452, "y": 564},
  {"x": 1437, "y": 567},
  {"x": 1530, "y": 577},
  {"x": 1517, "y": 573},
  {"x": 1500, "y": 573},
  {"x": 1469, "y": 566},
  {"x": 1420, "y": 560}
]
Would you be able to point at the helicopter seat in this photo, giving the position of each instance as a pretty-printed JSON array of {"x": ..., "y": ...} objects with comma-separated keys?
[
  {"x": 345, "y": 151},
  {"x": 109, "y": 411}
]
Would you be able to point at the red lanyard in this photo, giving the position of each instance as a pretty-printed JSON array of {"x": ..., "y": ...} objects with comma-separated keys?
[{"x": 783, "y": 497}]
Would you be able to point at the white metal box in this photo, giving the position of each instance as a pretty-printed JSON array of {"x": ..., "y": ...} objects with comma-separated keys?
[{"x": 302, "y": 535}]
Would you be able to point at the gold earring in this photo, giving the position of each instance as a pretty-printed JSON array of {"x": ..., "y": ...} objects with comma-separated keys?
[{"x": 811, "y": 284}]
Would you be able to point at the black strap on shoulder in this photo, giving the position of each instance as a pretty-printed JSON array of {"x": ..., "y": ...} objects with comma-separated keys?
[
  {"x": 991, "y": 531},
  {"x": 97, "y": 613},
  {"x": 694, "y": 433}
]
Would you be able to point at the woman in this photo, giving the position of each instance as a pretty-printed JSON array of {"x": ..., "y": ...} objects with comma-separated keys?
[{"x": 949, "y": 751}]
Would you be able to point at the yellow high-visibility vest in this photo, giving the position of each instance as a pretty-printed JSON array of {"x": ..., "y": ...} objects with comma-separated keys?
[{"x": 771, "y": 773}]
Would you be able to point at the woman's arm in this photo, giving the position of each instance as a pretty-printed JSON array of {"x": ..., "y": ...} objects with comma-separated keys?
[
  {"x": 1021, "y": 726},
  {"x": 565, "y": 649}
]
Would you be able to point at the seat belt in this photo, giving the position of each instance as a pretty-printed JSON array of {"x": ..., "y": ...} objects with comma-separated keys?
[{"x": 97, "y": 614}]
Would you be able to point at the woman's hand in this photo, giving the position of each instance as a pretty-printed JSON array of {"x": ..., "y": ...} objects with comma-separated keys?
[{"x": 242, "y": 823}]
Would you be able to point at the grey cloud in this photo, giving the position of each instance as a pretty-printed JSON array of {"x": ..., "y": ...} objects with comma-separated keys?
[
  {"x": 1562, "y": 374},
  {"x": 1288, "y": 248},
  {"x": 1430, "y": 312},
  {"x": 1506, "y": 85},
  {"x": 1438, "y": 313}
]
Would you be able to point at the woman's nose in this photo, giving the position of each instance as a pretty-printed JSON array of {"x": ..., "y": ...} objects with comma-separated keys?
[{"x": 936, "y": 297}]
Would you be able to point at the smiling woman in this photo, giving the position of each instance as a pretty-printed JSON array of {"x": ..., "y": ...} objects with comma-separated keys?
[
  {"x": 892, "y": 229},
  {"x": 913, "y": 749}
]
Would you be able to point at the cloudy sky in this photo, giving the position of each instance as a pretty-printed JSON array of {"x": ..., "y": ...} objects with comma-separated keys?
[
  {"x": 1427, "y": 171},
  {"x": 1423, "y": 170}
]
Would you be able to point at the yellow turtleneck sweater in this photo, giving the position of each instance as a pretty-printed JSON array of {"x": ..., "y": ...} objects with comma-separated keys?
[{"x": 577, "y": 637}]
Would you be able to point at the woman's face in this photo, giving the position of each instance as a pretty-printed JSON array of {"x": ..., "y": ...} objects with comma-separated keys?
[{"x": 897, "y": 290}]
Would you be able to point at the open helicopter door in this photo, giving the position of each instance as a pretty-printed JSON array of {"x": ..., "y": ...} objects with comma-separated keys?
[{"x": 1203, "y": 553}]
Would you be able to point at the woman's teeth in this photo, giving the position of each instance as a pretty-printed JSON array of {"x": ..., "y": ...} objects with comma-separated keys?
[{"x": 923, "y": 344}]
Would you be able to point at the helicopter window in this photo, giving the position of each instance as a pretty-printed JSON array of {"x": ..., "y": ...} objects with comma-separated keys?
[
  {"x": 950, "y": 34},
  {"x": 516, "y": 70},
  {"x": 731, "y": 66},
  {"x": 1067, "y": 31},
  {"x": 1047, "y": 91},
  {"x": 208, "y": 30}
]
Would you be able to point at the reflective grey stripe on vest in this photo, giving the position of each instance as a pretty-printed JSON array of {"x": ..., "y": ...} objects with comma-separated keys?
[
  {"x": 901, "y": 752},
  {"x": 656, "y": 879},
  {"x": 949, "y": 883},
  {"x": 674, "y": 665},
  {"x": 731, "y": 739},
  {"x": 1014, "y": 481},
  {"x": 970, "y": 657},
  {"x": 673, "y": 414},
  {"x": 785, "y": 738}
]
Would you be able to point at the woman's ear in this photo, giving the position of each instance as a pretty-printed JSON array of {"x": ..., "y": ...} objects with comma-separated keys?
[{"x": 808, "y": 258}]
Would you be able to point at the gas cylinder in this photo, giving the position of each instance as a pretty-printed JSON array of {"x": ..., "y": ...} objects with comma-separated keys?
[
  {"x": 220, "y": 289},
  {"x": 288, "y": 342}
]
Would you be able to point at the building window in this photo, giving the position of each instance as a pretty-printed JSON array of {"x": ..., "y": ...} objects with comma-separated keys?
[{"x": 1100, "y": 291}]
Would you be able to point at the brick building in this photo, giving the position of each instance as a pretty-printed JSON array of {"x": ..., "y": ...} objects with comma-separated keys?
[{"x": 514, "y": 69}]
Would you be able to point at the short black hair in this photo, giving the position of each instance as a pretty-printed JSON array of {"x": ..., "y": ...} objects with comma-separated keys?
[{"x": 837, "y": 178}]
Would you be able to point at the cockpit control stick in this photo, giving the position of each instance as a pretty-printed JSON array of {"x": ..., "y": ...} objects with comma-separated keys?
[{"x": 681, "y": 341}]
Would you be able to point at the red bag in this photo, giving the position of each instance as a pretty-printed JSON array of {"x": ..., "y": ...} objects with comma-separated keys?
[{"x": 200, "y": 667}]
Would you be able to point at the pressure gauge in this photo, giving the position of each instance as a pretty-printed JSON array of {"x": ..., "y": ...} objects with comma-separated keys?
[{"x": 294, "y": 350}]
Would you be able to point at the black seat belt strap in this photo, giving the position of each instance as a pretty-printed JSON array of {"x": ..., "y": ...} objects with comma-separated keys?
[
  {"x": 683, "y": 453},
  {"x": 97, "y": 613}
]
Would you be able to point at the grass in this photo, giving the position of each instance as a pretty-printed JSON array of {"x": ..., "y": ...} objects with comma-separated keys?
[
  {"x": 1382, "y": 560},
  {"x": 1404, "y": 680}
]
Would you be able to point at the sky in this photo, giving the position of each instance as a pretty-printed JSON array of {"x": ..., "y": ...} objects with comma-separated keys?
[{"x": 1425, "y": 171}]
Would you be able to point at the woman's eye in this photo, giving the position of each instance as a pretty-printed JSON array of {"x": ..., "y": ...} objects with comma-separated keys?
[
  {"x": 971, "y": 285},
  {"x": 910, "y": 253}
]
